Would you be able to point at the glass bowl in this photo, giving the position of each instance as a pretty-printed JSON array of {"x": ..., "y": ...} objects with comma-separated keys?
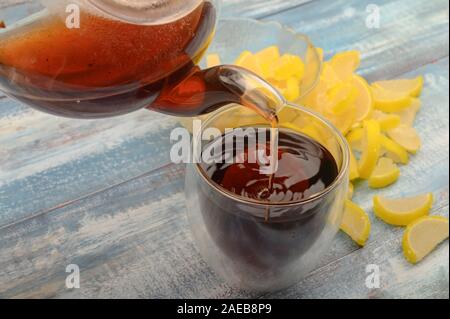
[
  {"x": 232, "y": 232},
  {"x": 233, "y": 36}
]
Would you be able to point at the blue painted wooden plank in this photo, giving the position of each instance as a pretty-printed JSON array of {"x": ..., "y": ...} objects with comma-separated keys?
[
  {"x": 46, "y": 161},
  {"x": 257, "y": 9},
  {"x": 411, "y": 33},
  {"x": 133, "y": 240},
  {"x": 123, "y": 235}
]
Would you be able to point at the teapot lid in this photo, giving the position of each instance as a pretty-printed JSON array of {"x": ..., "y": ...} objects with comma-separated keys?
[{"x": 146, "y": 12}]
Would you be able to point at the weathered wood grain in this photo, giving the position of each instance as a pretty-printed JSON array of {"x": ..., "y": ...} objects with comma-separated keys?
[
  {"x": 8, "y": 3},
  {"x": 410, "y": 34}
]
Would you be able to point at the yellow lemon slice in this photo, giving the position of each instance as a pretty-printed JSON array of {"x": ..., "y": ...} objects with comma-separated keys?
[
  {"x": 370, "y": 148},
  {"x": 354, "y": 173},
  {"x": 342, "y": 97},
  {"x": 393, "y": 150},
  {"x": 390, "y": 101},
  {"x": 346, "y": 63},
  {"x": 423, "y": 236},
  {"x": 320, "y": 53},
  {"x": 351, "y": 191},
  {"x": 412, "y": 87},
  {"x": 243, "y": 57},
  {"x": 403, "y": 211},
  {"x": 364, "y": 100},
  {"x": 268, "y": 55},
  {"x": 387, "y": 121},
  {"x": 407, "y": 137},
  {"x": 312, "y": 98},
  {"x": 356, "y": 223},
  {"x": 354, "y": 138},
  {"x": 408, "y": 116},
  {"x": 385, "y": 173},
  {"x": 288, "y": 66},
  {"x": 329, "y": 76},
  {"x": 266, "y": 59},
  {"x": 344, "y": 121},
  {"x": 212, "y": 60}
]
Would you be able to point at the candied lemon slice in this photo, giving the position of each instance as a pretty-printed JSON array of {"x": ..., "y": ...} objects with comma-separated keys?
[
  {"x": 329, "y": 76},
  {"x": 422, "y": 236},
  {"x": 288, "y": 66},
  {"x": 408, "y": 116},
  {"x": 212, "y": 60},
  {"x": 248, "y": 61},
  {"x": 364, "y": 100},
  {"x": 351, "y": 191},
  {"x": 354, "y": 173},
  {"x": 292, "y": 89},
  {"x": 342, "y": 97},
  {"x": 407, "y": 137},
  {"x": 385, "y": 173},
  {"x": 393, "y": 150},
  {"x": 354, "y": 138},
  {"x": 401, "y": 212},
  {"x": 390, "y": 101},
  {"x": 344, "y": 121},
  {"x": 370, "y": 148},
  {"x": 411, "y": 87},
  {"x": 345, "y": 64},
  {"x": 388, "y": 121},
  {"x": 356, "y": 223}
]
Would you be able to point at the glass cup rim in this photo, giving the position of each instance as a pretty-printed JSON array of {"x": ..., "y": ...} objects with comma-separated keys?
[{"x": 244, "y": 200}]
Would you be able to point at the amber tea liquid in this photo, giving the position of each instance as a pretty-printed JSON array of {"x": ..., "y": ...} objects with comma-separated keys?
[{"x": 243, "y": 232}]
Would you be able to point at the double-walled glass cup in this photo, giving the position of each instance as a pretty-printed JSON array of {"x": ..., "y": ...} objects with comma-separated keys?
[{"x": 232, "y": 232}]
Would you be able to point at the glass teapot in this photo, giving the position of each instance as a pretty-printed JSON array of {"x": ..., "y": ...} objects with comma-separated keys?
[{"x": 101, "y": 58}]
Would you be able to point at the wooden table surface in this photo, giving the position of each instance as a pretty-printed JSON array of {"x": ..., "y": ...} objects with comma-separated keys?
[{"x": 103, "y": 194}]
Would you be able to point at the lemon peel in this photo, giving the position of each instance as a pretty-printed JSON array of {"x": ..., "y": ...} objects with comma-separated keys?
[
  {"x": 408, "y": 115},
  {"x": 288, "y": 66},
  {"x": 356, "y": 223},
  {"x": 402, "y": 211},
  {"x": 351, "y": 191},
  {"x": 346, "y": 63},
  {"x": 411, "y": 87},
  {"x": 390, "y": 101},
  {"x": 394, "y": 150},
  {"x": 422, "y": 236},
  {"x": 370, "y": 148},
  {"x": 388, "y": 121},
  {"x": 354, "y": 138},
  {"x": 364, "y": 102},
  {"x": 353, "y": 170},
  {"x": 385, "y": 173},
  {"x": 407, "y": 137}
]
